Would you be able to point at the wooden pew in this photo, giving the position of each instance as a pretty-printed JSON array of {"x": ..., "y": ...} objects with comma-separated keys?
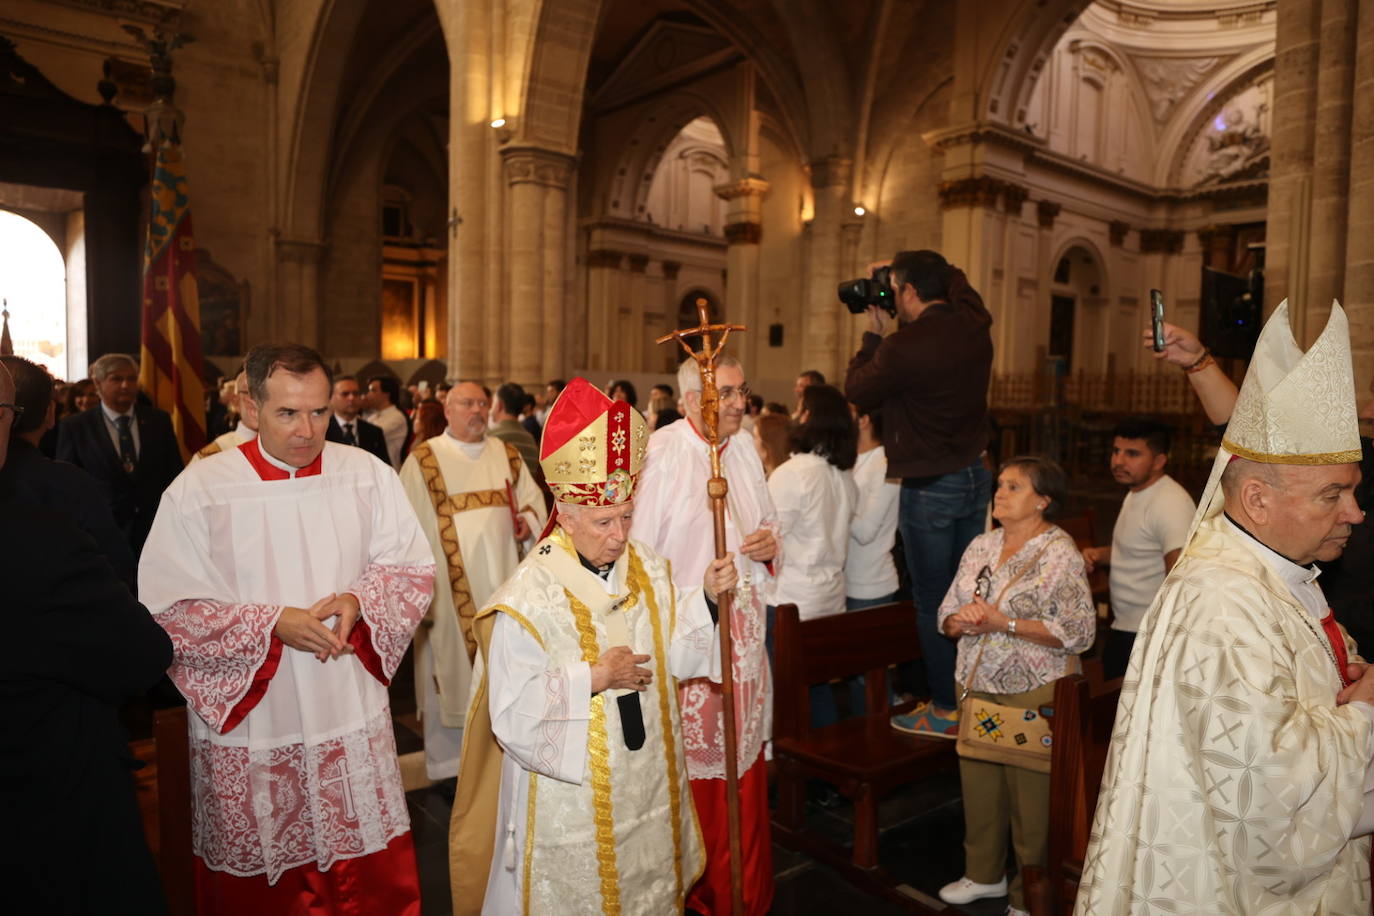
[
  {"x": 1084, "y": 712},
  {"x": 863, "y": 757}
]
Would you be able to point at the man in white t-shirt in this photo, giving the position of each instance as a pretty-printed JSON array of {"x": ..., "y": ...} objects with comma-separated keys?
[{"x": 1149, "y": 533}]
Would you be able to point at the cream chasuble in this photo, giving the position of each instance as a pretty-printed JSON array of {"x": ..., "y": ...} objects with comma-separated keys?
[
  {"x": 556, "y": 814},
  {"x": 1232, "y": 786},
  {"x": 465, "y": 513},
  {"x": 292, "y": 761},
  {"x": 673, "y": 516}
]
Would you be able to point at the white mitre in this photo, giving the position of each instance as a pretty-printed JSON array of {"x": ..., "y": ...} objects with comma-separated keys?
[{"x": 1294, "y": 407}]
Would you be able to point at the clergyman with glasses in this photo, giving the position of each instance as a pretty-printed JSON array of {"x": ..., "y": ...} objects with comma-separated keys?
[
  {"x": 480, "y": 509},
  {"x": 673, "y": 516}
]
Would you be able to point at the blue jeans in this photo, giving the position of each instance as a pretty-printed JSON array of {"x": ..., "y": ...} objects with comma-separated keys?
[{"x": 937, "y": 521}]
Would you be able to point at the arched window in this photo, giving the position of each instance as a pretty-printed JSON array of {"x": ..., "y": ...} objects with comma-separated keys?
[{"x": 33, "y": 283}]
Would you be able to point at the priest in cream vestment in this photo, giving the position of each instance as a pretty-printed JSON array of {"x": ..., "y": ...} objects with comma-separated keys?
[
  {"x": 478, "y": 506},
  {"x": 1239, "y": 779},
  {"x": 573, "y": 796},
  {"x": 245, "y": 429}
]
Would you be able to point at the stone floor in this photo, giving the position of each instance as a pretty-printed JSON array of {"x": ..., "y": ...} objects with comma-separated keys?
[{"x": 921, "y": 843}]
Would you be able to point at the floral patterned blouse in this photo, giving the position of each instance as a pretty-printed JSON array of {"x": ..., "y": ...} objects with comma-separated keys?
[{"x": 1054, "y": 591}]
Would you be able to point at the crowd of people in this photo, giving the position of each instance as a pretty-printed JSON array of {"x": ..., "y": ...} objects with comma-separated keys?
[{"x": 551, "y": 559}]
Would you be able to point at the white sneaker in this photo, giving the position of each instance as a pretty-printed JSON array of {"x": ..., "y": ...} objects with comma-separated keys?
[{"x": 966, "y": 891}]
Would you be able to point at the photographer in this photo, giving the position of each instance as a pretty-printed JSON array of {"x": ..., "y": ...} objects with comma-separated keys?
[{"x": 930, "y": 380}]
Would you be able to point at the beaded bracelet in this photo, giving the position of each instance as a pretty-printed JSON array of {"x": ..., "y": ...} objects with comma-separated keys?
[{"x": 1203, "y": 362}]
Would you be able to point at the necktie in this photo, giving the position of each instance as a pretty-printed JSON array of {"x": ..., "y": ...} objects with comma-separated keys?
[
  {"x": 127, "y": 455},
  {"x": 349, "y": 438}
]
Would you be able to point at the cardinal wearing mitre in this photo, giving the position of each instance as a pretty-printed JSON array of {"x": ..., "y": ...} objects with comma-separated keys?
[{"x": 572, "y": 787}]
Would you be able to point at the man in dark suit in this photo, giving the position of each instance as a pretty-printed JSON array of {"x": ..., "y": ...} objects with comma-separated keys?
[
  {"x": 85, "y": 646},
  {"x": 129, "y": 448},
  {"x": 346, "y": 426},
  {"x": 56, "y": 485}
]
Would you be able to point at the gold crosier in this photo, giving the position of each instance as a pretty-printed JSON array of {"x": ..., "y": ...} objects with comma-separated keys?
[{"x": 716, "y": 489}]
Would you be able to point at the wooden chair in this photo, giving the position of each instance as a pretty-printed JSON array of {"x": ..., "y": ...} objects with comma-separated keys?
[
  {"x": 1084, "y": 713},
  {"x": 1083, "y": 529},
  {"x": 863, "y": 757}
]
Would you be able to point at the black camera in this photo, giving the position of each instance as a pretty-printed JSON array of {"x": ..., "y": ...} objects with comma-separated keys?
[{"x": 858, "y": 295}]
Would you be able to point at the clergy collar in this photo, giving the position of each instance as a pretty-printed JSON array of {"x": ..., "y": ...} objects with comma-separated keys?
[
  {"x": 270, "y": 468},
  {"x": 601, "y": 572},
  {"x": 723, "y": 442},
  {"x": 1294, "y": 574}
]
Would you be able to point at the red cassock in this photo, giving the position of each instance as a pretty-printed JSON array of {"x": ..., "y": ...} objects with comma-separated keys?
[{"x": 711, "y": 895}]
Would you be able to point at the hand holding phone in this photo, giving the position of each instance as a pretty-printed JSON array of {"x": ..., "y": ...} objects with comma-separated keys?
[{"x": 1157, "y": 319}]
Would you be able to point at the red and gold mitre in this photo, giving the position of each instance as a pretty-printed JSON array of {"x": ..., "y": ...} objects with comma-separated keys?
[{"x": 593, "y": 447}]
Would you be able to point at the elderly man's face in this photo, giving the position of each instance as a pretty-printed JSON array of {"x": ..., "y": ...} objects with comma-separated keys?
[
  {"x": 599, "y": 533},
  {"x": 1311, "y": 515},
  {"x": 466, "y": 410},
  {"x": 734, "y": 397}
]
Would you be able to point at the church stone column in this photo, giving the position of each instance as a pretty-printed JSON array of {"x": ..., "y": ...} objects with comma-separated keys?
[
  {"x": 629, "y": 354},
  {"x": 743, "y": 234},
  {"x": 603, "y": 305},
  {"x": 1296, "y": 59},
  {"x": 555, "y": 172},
  {"x": 822, "y": 312},
  {"x": 1359, "y": 257},
  {"x": 532, "y": 175},
  {"x": 1330, "y": 164},
  {"x": 298, "y": 277}
]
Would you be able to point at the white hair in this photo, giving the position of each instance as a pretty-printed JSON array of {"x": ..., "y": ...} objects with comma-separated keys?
[
  {"x": 689, "y": 373},
  {"x": 108, "y": 363}
]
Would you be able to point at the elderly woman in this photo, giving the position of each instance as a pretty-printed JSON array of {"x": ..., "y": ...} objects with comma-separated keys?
[{"x": 1022, "y": 600}]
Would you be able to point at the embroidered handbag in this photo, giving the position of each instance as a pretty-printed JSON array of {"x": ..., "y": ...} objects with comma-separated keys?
[{"x": 996, "y": 733}]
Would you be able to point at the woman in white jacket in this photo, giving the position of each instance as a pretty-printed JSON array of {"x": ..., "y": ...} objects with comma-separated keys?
[{"x": 814, "y": 495}]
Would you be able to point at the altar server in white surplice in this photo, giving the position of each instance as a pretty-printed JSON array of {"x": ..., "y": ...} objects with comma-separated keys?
[
  {"x": 572, "y": 795},
  {"x": 290, "y": 574},
  {"x": 1239, "y": 775},
  {"x": 479, "y": 508},
  {"x": 673, "y": 516}
]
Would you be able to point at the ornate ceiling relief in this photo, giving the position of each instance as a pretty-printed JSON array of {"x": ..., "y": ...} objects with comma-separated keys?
[
  {"x": 1168, "y": 80},
  {"x": 1232, "y": 144}
]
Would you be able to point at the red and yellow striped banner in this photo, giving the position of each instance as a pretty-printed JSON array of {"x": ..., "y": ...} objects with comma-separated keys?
[{"x": 171, "y": 360}]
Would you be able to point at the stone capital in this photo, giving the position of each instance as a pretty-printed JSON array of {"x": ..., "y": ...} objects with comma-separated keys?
[
  {"x": 744, "y": 188},
  {"x": 300, "y": 251},
  {"x": 1161, "y": 241},
  {"x": 536, "y": 165},
  {"x": 605, "y": 257},
  {"x": 1047, "y": 211},
  {"x": 831, "y": 172},
  {"x": 982, "y": 191},
  {"x": 638, "y": 262},
  {"x": 743, "y": 233}
]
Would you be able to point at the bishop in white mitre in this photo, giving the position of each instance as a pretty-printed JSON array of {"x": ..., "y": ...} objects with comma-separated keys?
[
  {"x": 479, "y": 507},
  {"x": 1239, "y": 774},
  {"x": 572, "y": 796},
  {"x": 291, "y": 574}
]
